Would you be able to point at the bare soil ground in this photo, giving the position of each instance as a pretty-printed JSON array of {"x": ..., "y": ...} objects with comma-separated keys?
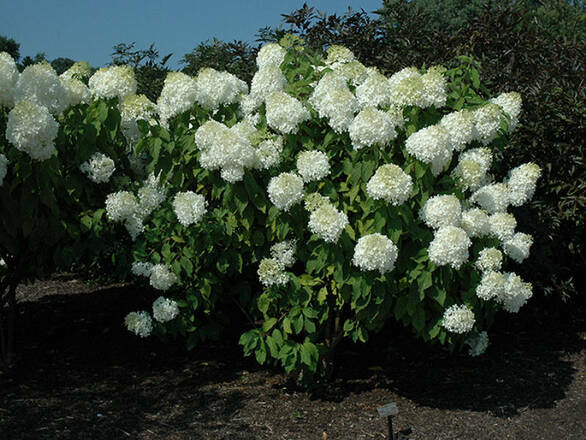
[{"x": 81, "y": 375}]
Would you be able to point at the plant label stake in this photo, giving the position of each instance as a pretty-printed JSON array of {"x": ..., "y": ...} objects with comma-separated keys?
[{"x": 389, "y": 410}]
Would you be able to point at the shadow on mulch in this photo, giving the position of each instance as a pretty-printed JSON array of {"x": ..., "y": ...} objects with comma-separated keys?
[{"x": 80, "y": 374}]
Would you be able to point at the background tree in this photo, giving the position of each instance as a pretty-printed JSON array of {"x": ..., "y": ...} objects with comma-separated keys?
[
  {"x": 10, "y": 46},
  {"x": 62, "y": 64}
]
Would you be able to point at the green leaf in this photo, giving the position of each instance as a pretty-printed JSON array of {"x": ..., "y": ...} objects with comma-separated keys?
[{"x": 309, "y": 355}]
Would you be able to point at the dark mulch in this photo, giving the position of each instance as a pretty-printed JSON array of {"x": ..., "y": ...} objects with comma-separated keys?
[{"x": 81, "y": 375}]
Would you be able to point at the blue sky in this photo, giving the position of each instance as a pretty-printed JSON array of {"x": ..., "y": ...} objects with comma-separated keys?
[{"x": 87, "y": 30}]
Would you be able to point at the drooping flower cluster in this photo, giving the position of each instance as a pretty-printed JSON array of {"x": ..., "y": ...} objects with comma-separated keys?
[
  {"x": 32, "y": 130},
  {"x": 189, "y": 207},
  {"x": 517, "y": 247},
  {"x": 390, "y": 183},
  {"x": 521, "y": 183},
  {"x": 99, "y": 168},
  {"x": 113, "y": 82},
  {"x": 327, "y": 222},
  {"x": 165, "y": 309},
  {"x": 139, "y": 323},
  {"x": 313, "y": 165},
  {"x": 458, "y": 319},
  {"x": 375, "y": 252},
  {"x": 285, "y": 190}
]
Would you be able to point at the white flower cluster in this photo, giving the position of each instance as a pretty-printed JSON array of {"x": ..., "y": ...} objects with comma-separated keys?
[
  {"x": 179, "y": 94},
  {"x": 189, "y": 207},
  {"x": 491, "y": 285},
  {"x": 440, "y": 211},
  {"x": 139, "y": 323},
  {"x": 141, "y": 269},
  {"x": 112, "y": 82},
  {"x": 507, "y": 289},
  {"x": 371, "y": 127},
  {"x": 285, "y": 113},
  {"x": 99, "y": 168},
  {"x": 270, "y": 54},
  {"x": 473, "y": 165},
  {"x": 511, "y": 105},
  {"x": 268, "y": 153},
  {"x": 487, "y": 121},
  {"x": 77, "y": 91},
  {"x": 225, "y": 149},
  {"x": 162, "y": 277},
  {"x": 502, "y": 226},
  {"x": 434, "y": 87},
  {"x": 313, "y": 165},
  {"x": 8, "y": 78},
  {"x": 284, "y": 252},
  {"x": 489, "y": 259},
  {"x": 80, "y": 71},
  {"x": 449, "y": 247},
  {"x": 327, "y": 222},
  {"x": 40, "y": 84},
  {"x": 431, "y": 145},
  {"x": 460, "y": 127},
  {"x": 390, "y": 183},
  {"x": 332, "y": 99},
  {"x": 32, "y": 130},
  {"x": 517, "y": 247},
  {"x": 375, "y": 252},
  {"x": 458, "y": 319},
  {"x": 521, "y": 183},
  {"x": 271, "y": 272},
  {"x": 165, "y": 309},
  {"x": 406, "y": 88},
  {"x": 285, "y": 190},
  {"x": 132, "y": 109},
  {"x": 492, "y": 198},
  {"x": 314, "y": 201},
  {"x": 218, "y": 88},
  {"x": 375, "y": 91},
  {"x": 266, "y": 80},
  {"x": 3, "y": 168},
  {"x": 478, "y": 344},
  {"x": 475, "y": 222}
]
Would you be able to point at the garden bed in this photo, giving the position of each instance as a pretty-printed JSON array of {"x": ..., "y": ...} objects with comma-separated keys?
[{"x": 82, "y": 375}]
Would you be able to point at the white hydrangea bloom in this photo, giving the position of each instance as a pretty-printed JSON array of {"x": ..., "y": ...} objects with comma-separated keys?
[
  {"x": 338, "y": 54},
  {"x": 492, "y": 198},
  {"x": 121, "y": 205},
  {"x": 285, "y": 113},
  {"x": 327, "y": 222},
  {"x": 139, "y": 323},
  {"x": 489, "y": 259},
  {"x": 375, "y": 252},
  {"x": 285, "y": 190},
  {"x": 434, "y": 87},
  {"x": 179, "y": 94},
  {"x": 8, "y": 78},
  {"x": 440, "y": 211},
  {"x": 333, "y": 100},
  {"x": 40, "y": 84},
  {"x": 487, "y": 121},
  {"x": 521, "y": 183},
  {"x": 502, "y": 225},
  {"x": 142, "y": 269},
  {"x": 99, "y": 168},
  {"x": 431, "y": 145},
  {"x": 189, "y": 207},
  {"x": 518, "y": 246},
  {"x": 371, "y": 127},
  {"x": 165, "y": 309},
  {"x": 375, "y": 91},
  {"x": 492, "y": 285},
  {"x": 478, "y": 344},
  {"x": 268, "y": 153},
  {"x": 473, "y": 165},
  {"x": 271, "y": 272},
  {"x": 396, "y": 115},
  {"x": 449, "y": 247},
  {"x": 80, "y": 70},
  {"x": 77, "y": 91},
  {"x": 270, "y": 54},
  {"x": 407, "y": 88},
  {"x": 32, "y": 130},
  {"x": 150, "y": 195},
  {"x": 113, "y": 81},
  {"x": 475, "y": 222},
  {"x": 516, "y": 293},
  {"x": 353, "y": 71},
  {"x": 162, "y": 278},
  {"x": 511, "y": 105},
  {"x": 314, "y": 201},
  {"x": 132, "y": 109},
  {"x": 458, "y": 319},
  {"x": 264, "y": 82},
  {"x": 3, "y": 168},
  {"x": 284, "y": 252},
  {"x": 313, "y": 165},
  {"x": 460, "y": 126},
  {"x": 390, "y": 183},
  {"x": 218, "y": 88}
]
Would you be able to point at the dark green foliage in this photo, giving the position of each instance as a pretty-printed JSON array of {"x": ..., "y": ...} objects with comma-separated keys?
[
  {"x": 10, "y": 46},
  {"x": 235, "y": 57},
  {"x": 537, "y": 48},
  {"x": 62, "y": 64}
]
